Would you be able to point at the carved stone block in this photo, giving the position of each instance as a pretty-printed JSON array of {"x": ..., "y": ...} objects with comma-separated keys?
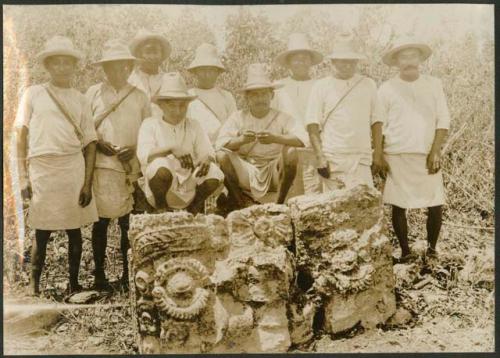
[{"x": 341, "y": 246}]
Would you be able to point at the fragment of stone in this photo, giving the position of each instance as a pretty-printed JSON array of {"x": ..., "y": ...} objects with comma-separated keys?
[
  {"x": 174, "y": 302},
  {"x": 84, "y": 297},
  {"x": 401, "y": 317},
  {"x": 340, "y": 242},
  {"x": 253, "y": 282}
]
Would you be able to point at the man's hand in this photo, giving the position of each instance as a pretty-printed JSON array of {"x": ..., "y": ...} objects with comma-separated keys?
[
  {"x": 265, "y": 137},
  {"x": 26, "y": 193},
  {"x": 85, "y": 195},
  {"x": 433, "y": 163},
  {"x": 380, "y": 165},
  {"x": 203, "y": 167},
  {"x": 247, "y": 137},
  {"x": 106, "y": 148},
  {"x": 183, "y": 157},
  {"x": 323, "y": 168},
  {"x": 125, "y": 154}
]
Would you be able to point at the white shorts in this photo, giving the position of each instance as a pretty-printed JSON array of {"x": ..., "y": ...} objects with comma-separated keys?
[
  {"x": 183, "y": 189},
  {"x": 346, "y": 171}
]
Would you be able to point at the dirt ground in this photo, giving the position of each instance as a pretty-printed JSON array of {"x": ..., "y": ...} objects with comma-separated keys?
[{"x": 448, "y": 305}]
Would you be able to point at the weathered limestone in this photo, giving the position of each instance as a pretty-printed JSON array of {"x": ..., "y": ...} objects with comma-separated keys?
[
  {"x": 341, "y": 245},
  {"x": 173, "y": 256},
  {"x": 255, "y": 281}
]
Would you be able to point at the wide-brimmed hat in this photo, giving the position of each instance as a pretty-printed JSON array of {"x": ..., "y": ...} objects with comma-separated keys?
[
  {"x": 258, "y": 78},
  {"x": 298, "y": 42},
  {"x": 402, "y": 43},
  {"x": 115, "y": 50},
  {"x": 173, "y": 87},
  {"x": 145, "y": 35},
  {"x": 344, "y": 48},
  {"x": 59, "y": 46},
  {"x": 206, "y": 56}
]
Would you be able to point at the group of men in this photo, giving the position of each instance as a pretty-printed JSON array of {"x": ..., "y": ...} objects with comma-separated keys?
[{"x": 142, "y": 133}]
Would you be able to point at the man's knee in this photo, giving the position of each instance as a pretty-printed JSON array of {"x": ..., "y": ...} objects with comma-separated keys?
[
  {"x": 210, "y": 185},
  {"x": 101, "y": 225},
  {"x": 124, "y": 222},
  {"x": 290, "y": 158},
  {"x": 396, "y": 210},
  {"x": 162, "y": 176},
  {"x": 223, "y": 160},
  {"x": 435, "y": 210}
]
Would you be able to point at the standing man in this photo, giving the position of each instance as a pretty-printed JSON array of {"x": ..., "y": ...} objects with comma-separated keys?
[
  {"x": 255, "y": 145},
  {"x": 293, "y": 97},
  {"x": 56, "y": 144},
  {"x": 152, "y": 49},
  {"x": 177, "y": 159},
  {"x": 342, "y": 118},
  {"x": 118, "y": 109},
  {"x": 213, "y": 105},
  {"x": 416, "y": 124}
]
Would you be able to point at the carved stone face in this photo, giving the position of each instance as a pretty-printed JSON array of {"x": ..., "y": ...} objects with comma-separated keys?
[
  {"x": 147, "y": 324},
  {"x": 143, "y": 282}
]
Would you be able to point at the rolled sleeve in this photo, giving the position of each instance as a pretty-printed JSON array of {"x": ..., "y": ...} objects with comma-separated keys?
[
  {"x": 87, "y": 124},
  {"x": 228, "y": 131},
  {"x": 294, "y": 127},
  {"x": 443, "y": 114},
  {"x": 203, "y": 147},
  {"x": 314, "y": 111},
  {"x": 145, "y": 142},
  {"x": 376, "y": 114},
  {"x": 24, "y": 110}
]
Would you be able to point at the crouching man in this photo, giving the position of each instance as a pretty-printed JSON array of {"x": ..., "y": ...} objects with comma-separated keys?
[
  {"x": 255, "y": 145},
  {"x": 177, "y": 159}
]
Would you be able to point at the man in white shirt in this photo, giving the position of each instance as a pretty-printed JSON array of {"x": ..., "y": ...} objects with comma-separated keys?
[
  {"x": 153, "y": 50},
  {"x": 176, "y": 156},
  {"x": 118, "y": 109},
  {"x": 293, "y": 98},
  {"x": 342, "y": 118},
  {"x": 213, "y": 105},
  {"x": 416, "y": 124},
  {"x": 256, "y": 146}
]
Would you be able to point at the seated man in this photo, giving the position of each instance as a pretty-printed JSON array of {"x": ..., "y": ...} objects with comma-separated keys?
[
  {"x": 177, "y": 159},
  {"x": 253, "y": 143}
]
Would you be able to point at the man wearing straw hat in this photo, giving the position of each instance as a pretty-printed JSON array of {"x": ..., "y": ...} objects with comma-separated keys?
[
  {"x": 213, "y": 105},
  {"x": 416, "y": 124},
  {"x": 153, "y": 50},
  {"x": 255, "y": 145},
  {"x": 176, "y": 156},
  {"x": 56, "y": 144},
  {"x": 118, "y": 109},
  {"x": 341, "y": 118},
  {"x": 293, "y": 98}
]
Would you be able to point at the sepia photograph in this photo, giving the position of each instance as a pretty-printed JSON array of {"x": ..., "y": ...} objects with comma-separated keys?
[{"x": 207, "y": 179}]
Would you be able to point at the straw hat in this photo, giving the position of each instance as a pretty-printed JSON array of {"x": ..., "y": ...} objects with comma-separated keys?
[
  {"x": 59, "y": 46},
  {"x": 402, "y": 43},
  {"x": 145, "y": 35},
  {"x": 173, "y": 87},
  {"x": 344, "y": 48},
  {"x": 206, "y": 56},
  {"x": 115, "y": 50},
  {"x": 298, "y": 42},
  {"x": 258, "y": 78}
]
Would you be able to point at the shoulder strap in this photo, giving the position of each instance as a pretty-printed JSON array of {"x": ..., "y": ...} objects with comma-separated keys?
[
  {"x": 111, "y": 109},
  {"x": 343, "y": 96},
  {"x": 66, "y": 114},
  {"x": 208, "y": 107}
]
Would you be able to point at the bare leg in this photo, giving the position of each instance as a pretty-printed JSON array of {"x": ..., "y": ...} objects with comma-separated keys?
[
  {"x": 401, "y": 228},
  {"x": 434, "y": 221},
  {"x": 203, "y": 191},
  {"x": 159, "y": 185},
  {"x": 74, "y": 258},
  {"x": 124, "y": 223},
  {"x": 99, "y": 244},
  {"x": 230, "y": 178},
  {"x": 38, "y": 251},
  {"x": 289, "y": 165}
]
